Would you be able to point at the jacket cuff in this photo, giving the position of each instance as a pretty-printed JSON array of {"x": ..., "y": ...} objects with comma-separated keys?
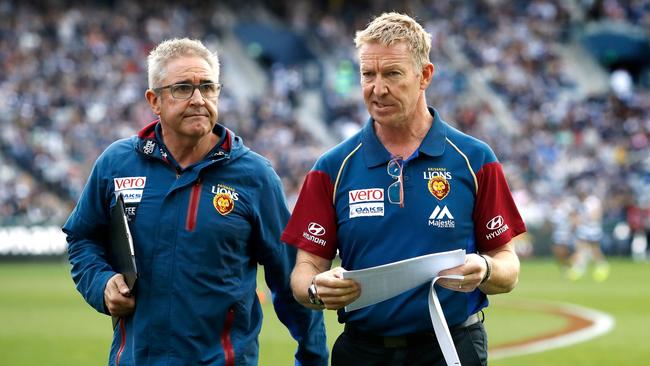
[{"x": 96, "y": 295}]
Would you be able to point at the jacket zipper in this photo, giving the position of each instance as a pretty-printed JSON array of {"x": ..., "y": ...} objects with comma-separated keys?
[
  {"x": 226, "y": 343},
  {"x": 193, "y": 207},
  {"x": 122, "y": 342}
]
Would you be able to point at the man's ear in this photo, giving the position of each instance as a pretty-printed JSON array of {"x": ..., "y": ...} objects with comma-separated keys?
[
  {"x": 154, "y": 101},
  {"x": 427, "y": 74}
]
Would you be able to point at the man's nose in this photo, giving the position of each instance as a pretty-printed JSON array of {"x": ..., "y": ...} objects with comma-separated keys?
[
  {"x": 196, "y": 97},
  {"x": 379, "y": 86}
]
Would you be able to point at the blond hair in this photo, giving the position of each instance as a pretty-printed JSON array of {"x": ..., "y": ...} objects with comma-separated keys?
[
  {"x": 390, "y": 28},
  {"x": 174, "y": 48}
]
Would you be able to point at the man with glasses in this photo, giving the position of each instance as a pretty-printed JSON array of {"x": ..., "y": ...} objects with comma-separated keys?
[
  {"x": 408, "y": 184},
  {"x": 203, "y": 211}
]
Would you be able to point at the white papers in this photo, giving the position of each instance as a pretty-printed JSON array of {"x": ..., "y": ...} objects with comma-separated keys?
[
  {"x": 440, "y": 325},
  {"x": 389, "y": 280},
  {"x": 383, "y": 282}
]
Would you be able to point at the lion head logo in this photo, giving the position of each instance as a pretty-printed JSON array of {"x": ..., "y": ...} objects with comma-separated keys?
[
  {"x": 439, "y": 187},
  {"x": 223, "y": 203}
]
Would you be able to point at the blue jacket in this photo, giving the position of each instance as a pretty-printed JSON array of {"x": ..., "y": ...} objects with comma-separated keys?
[{"x": 199, "y": 234}]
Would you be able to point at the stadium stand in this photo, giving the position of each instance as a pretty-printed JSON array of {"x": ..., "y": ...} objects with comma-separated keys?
[{"x": 515, "y": 74}]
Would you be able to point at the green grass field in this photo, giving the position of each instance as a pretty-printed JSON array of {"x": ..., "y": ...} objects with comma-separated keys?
[{"x": 46, "y": 322}]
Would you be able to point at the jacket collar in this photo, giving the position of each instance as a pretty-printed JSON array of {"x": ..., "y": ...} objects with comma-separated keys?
[
  {"x": 375, "y": 153},
  {"x": 150, "y": 142}
]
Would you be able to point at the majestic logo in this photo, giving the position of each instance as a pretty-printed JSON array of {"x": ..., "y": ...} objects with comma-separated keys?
[
  {"x": 439, "y": 187},
  {"x": 442, "y": 218},
  {"x": 441, "y": 214},
  {"x": 131, "y": 188},
  {"x": 224, "y": 203},
  {"x": 495, "y": 223},
  {"x": 497, "y": 226},
  {"x": 316, "y": 229},
  {"x": 149, "y": 147},
  {"x": 366, "y": 202}
]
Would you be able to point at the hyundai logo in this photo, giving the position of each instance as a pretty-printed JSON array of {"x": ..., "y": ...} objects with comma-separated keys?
[
  {"x": 316, "y": 229},
  {"x": 495, "y": 223}
]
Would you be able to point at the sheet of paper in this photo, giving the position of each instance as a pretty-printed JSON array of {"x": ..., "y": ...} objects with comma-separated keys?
[
  {"x": 440, "y": 324},
  {"x": 383, "y": 282}
]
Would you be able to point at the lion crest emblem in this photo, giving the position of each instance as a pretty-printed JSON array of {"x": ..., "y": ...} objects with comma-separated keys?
[
  {"x": 439, "y": 187},
  {"x": 224, "y": 203}
]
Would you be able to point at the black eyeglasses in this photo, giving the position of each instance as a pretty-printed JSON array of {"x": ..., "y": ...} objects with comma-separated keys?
[
  {"x": 396, "y": 189},
  {"x": 184, "y": 91}
]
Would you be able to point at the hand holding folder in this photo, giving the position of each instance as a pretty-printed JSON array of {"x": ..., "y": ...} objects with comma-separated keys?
[{"x": 120, "y": 252}]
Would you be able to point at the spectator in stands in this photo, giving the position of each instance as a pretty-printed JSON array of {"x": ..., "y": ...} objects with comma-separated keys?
[
  {"x": 406, "y": 185},
  {"x": 64, "y": 100},
  {"x": 54, "y": 127},
  {"x": 204, "y": 210}
]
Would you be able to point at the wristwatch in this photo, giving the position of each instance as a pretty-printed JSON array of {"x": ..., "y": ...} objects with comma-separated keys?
[{"x": 313, "y": 295}]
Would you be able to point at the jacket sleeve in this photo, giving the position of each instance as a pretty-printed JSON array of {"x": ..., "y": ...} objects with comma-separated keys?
[
  {"x": 305, "y": 325},
  {"x": 85, "y": 229}
]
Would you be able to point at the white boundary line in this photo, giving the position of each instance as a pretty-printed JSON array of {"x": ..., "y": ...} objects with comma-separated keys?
[{"x": 602, "y": 323}]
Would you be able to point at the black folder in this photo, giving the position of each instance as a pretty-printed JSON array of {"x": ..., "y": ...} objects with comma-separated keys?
[{"x": 120, "y": 250}]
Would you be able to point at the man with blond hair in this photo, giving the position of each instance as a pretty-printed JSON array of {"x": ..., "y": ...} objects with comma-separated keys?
[
  {"x": 203, "y": 211},
  {"x": 408, "y": 184}
]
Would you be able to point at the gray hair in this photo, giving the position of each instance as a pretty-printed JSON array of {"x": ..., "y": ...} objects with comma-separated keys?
[
  {"x": 174, "y": 48},
  {"x": 390, "y": 28}
]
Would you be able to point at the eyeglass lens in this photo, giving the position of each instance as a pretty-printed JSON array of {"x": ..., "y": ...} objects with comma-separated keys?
[
  {"x": 394, "y": 168},
  {"x": 396, "y": 189},
  {"x": 185, "y": 91},
  {"x": 394, "y": 195}
]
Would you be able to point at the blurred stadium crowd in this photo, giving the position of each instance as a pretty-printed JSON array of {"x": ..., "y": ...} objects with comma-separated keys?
[{"x": 74, "y": 75}]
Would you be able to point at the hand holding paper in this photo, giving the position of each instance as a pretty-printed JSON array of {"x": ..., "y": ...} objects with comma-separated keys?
[
  {"x": 383, "y": 282},
  {"x": 335, "y": 291}
]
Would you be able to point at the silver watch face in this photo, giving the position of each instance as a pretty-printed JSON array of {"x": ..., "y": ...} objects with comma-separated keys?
[{"x": 312, "y": 296}]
